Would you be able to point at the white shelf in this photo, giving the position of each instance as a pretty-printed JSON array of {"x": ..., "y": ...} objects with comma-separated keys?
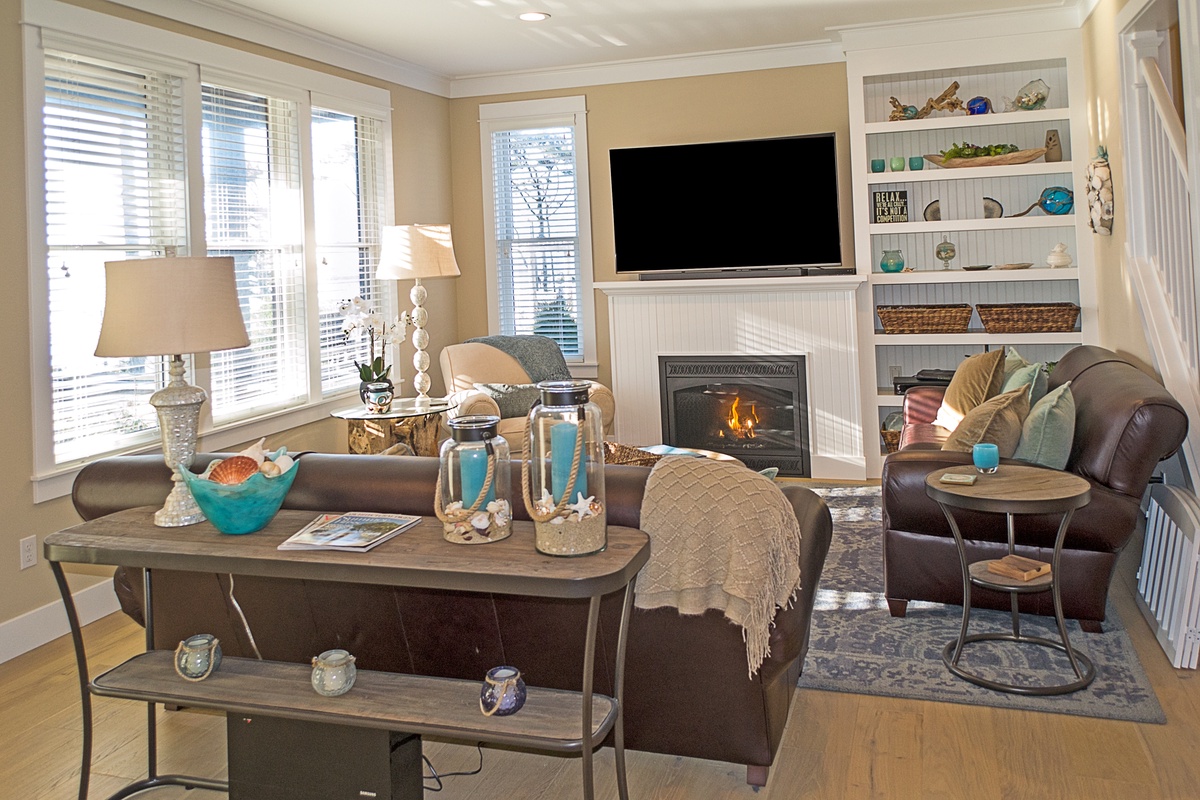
[
  {"x": 967, "y": 121},
  {"x": 976, "y": 338},
  {"x": 888, "y": 399},
  {"x": 957, "y": 276},
  {"x": 947, "y": 225},
  {"x": 932, "y": 173}
]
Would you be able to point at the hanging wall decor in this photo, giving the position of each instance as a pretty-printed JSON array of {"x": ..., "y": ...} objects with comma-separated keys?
[{"x": 1100, "y": 193}]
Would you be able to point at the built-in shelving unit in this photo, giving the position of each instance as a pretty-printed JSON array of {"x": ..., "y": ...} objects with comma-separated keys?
[{"x": 995, "y": 68}]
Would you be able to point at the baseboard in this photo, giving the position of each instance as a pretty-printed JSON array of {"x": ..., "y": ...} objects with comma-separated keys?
[
  {"x": 35, "y": 628},
  {"x": 833, "y": 468}
]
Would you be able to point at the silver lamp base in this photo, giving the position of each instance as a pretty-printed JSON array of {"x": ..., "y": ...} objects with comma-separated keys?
[{"x": 178, "y": 405}]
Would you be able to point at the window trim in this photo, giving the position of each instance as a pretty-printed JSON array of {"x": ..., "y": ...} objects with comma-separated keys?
[
  {"x": 526, "y": 114},
  {"x": 49, "y": 23}
]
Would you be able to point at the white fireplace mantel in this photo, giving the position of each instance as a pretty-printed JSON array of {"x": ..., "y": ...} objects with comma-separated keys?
[{"x": 811, "y": 316}]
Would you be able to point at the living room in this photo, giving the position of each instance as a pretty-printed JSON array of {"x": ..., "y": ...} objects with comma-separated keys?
[{"x": 438, "y": 177}]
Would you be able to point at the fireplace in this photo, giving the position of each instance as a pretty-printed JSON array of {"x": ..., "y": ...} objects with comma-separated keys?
[{"x": 754, "y": 408}]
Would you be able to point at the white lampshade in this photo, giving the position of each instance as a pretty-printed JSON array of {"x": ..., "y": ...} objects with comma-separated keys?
[
  {"x": 170, "y": 306},
  {"x": 416, "y": 251}
]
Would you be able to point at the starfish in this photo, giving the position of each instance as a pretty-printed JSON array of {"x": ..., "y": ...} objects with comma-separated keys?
[{"x": 582, "y": 506}]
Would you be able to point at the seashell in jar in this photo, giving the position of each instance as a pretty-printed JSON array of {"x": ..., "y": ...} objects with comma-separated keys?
[{"x": 233, "y": 470}]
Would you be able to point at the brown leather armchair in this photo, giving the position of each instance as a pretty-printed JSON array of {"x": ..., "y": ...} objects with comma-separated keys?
[{"x": 1125, "y": 423}]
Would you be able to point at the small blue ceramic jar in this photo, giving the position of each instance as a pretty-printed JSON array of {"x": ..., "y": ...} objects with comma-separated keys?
[{"x": 503, "y": 692}]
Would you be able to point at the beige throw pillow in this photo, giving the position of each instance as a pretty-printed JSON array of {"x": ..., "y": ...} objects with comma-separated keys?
[
  {"x": 977, "y": 378},
  {"x": 997, "y": 421}
]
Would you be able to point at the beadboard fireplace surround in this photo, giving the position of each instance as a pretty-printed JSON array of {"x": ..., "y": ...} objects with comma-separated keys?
[{"x": 812, "y": 316}]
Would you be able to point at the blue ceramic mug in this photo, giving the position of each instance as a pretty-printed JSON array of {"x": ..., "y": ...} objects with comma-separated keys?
[
  {"x": 916, "y": 162},
  {"x": 986, "y": 458},
  {"x": 877, "y": 164}
]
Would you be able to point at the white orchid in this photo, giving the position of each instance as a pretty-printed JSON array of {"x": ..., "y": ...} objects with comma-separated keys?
[{"x": 362, "y": 318}]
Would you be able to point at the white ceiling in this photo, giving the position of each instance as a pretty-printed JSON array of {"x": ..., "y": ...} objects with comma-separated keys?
[{"x": 454, "y": 39}]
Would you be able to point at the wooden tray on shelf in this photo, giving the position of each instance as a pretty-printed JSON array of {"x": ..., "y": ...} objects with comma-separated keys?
[{"x": 1008, "y": 159}]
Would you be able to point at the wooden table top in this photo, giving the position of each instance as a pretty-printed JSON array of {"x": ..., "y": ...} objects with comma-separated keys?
[
  {"x": 1012, "y": 489},
  {"x": 418, "y": 557}
]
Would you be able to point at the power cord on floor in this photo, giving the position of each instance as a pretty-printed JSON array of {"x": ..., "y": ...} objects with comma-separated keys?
[{"x": 437, "y": 779}]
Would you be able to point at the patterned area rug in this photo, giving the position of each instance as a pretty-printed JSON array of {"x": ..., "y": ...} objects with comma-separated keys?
[{"x": 856, "y": 646}]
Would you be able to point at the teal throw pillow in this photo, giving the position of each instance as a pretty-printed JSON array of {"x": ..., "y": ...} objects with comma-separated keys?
[
  {"x": 1049, "y": 430},
  {"x": 514, "y": 399},
  {"x": 1031, "y": 375},
  {"x": 1013, "y": 361}
]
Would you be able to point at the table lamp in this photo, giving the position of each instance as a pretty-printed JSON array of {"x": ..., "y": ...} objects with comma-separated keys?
[
  {"x": 413, "y": 252},
  {"x": 167, "y": 307}
]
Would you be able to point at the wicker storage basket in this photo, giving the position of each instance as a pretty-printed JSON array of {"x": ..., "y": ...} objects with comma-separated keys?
[
  {"x": 616, "y": 453},
  {"x": 1028, "y": 317},
  {"x": 891, "y": 440},
  {"x": 951, "y": 318}
]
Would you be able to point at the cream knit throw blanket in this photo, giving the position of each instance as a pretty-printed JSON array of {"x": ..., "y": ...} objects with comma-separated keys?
[{"x": 724, "y": 537}]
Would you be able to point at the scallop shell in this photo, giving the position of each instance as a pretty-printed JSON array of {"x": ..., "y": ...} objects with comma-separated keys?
[{"x": 233, "y": 470}]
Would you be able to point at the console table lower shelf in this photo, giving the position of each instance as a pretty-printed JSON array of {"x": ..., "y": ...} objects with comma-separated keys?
[
  {"x": 285, "y": 738},
  {"x": 549, "y": 720}
]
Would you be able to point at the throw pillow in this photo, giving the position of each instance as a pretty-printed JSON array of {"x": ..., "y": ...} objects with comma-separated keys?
[
  {"x": 514, "y": 399},
  {"x": 997, "y": 421},
  {"x": 977, "y": 378},
  {"x": 1013, "y": 361},
  {"x": 1031, "y": 376},
  {"x": 1049, "y": 430}
]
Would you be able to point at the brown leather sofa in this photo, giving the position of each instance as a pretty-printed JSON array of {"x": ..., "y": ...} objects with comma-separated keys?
[
  {"x": 1125, "y": 423},
  {"x": 686, "y": 691}
]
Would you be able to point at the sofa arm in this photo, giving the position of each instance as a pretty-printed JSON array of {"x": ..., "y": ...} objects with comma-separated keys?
[
  {"x": 921, "y": 403},
  {"x": 471, "y": 401}
]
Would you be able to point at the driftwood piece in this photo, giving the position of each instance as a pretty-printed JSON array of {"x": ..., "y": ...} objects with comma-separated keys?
[{"x": 946, "y": 101}]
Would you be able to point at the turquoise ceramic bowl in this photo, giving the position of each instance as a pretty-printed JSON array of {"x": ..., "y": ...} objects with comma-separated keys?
[{"x": 243, "y": 507}]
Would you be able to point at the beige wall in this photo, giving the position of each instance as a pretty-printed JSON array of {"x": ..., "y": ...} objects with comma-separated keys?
[
  {"x": 421, "y": 134},
  {"x": 1120, "y": 318},
  {"x": 778, "y": 102}
]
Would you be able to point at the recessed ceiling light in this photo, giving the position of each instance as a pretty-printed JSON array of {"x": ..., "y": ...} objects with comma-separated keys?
[{"x": 533, "y": 16}]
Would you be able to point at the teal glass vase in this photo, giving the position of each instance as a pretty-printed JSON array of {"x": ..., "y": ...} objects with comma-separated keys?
[{"x": 892, "y": 261}]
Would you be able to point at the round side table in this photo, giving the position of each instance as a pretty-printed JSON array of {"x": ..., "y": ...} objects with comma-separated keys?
[
  {"x": 1013, "y": 490},
  {"x": 414, "y": 424}
]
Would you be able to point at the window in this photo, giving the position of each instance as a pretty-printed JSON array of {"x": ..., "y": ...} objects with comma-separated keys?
[
  {"x": 292, "y": 183},
  {"x": 539, "y": 236}
]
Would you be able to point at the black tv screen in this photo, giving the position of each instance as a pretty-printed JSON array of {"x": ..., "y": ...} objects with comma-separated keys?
[{"x": 740, "y": 205}]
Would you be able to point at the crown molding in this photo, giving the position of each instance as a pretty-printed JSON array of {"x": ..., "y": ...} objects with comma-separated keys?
[
  {"x": 960, "y": 27},
  {"x": 230, "y": 19},
  {"x": 650, "y": 69}
]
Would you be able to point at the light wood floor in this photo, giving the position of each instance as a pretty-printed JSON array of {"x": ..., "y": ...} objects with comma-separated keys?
[{"x": 836, "y": 745}]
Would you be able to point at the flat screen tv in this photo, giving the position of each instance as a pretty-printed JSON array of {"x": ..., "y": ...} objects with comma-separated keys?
[{"x": 747, "y": 205}]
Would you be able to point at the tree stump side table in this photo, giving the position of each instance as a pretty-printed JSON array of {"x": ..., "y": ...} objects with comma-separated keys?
[{"x": 417, "y": 426}]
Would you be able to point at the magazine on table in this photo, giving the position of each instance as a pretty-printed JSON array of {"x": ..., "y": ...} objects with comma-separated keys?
[{"x": 355, "y": 532}]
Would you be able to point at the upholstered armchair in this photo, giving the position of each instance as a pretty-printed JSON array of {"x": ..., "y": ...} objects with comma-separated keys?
[{"x": 484, "y": 379}]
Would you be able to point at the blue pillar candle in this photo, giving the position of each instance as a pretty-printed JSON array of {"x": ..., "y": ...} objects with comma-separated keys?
[
  {"x": 562, "y": 453},
  {"x": 473, "y": 471}
]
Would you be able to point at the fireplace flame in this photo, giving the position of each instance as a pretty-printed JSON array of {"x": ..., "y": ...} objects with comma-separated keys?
[{"x": 741, "y": 426}]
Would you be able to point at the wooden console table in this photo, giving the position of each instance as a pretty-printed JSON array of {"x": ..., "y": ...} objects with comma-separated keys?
[{"x": 552, "y": 720}]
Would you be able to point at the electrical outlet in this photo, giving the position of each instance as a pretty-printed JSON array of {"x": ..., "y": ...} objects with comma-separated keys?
[{"x": 28, "y": 552}]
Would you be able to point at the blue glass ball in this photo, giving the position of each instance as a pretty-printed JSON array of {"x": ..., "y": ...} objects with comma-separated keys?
[
  {"x": 979, "y": 105},
  {"x": 1057, "y": 200}
]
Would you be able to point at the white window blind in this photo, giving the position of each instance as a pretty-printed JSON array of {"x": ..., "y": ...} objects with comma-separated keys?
[
  {"x": 537, "y": 233},
  {"x": 115, "y": 189},
  {"x": 254, "y": 213},
  {"x": 349, "y": 180}
]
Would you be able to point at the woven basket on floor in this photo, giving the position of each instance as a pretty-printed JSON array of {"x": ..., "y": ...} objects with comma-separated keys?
[
  {"x": 1028, "y": 317},
  {"x": 891, "y": 440},
  {"x": 952, "y": 318}
]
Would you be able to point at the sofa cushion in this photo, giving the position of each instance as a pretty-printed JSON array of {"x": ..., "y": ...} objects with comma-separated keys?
[
  {"x": 1013, "y": 361},
  {"x": 997, "y": 421},
  {"x": 1049, "y": 429},
  {"x": 977, "y": 379},
  {"x": 1032, "y": 376},
  {"x": 513, "y": 399}
]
